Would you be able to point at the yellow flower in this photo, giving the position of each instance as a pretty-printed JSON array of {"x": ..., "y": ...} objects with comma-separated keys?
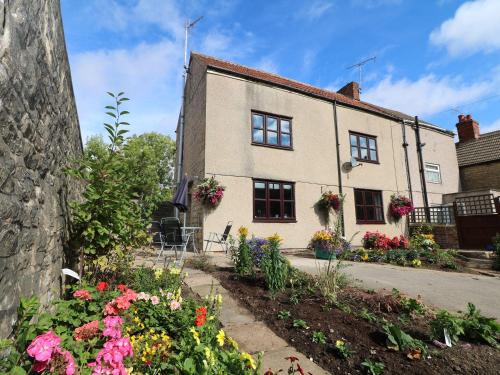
[
  {"x": 175, "y": 271},
  {"x": 158, "y": 273},
  {"x": 416, "y": 263},
  {"x": 209, "y": 356},
  {"x": 275, "y": 238},
  {"x": 218, "y": 299},
  {"x": 220, "y": 337},
  {"x": 339, "y": 343},
  {"x": 196, "y": 335},
  {"x": 243, "y": 231},
  {"x": 233, "y": 343},
  {"x": 244, "y": 356},
  {"x": 364, "y": 257}
]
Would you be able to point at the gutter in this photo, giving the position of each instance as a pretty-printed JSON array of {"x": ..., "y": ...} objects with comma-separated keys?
[{"x": 339, "y": 172}]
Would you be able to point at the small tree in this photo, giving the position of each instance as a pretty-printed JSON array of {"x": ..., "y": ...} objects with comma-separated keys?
[{"x": 108, "y": 223}]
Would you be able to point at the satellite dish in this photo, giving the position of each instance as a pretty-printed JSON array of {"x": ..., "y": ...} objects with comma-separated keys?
[
  {"x": 354, "y": 162},
  {"x": 347, "y": 167}
]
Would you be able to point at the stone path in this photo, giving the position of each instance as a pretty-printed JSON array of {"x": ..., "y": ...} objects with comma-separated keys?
[
  {"x": 448, "y": 290},
  {"x": 252, "y": 335}
]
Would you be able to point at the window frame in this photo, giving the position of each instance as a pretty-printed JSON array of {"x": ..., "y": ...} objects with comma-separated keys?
[
  {"x": 268, "y": 200},
  {"x": 381, "y": 206},
  {"x": 358, "y": 146},
  {"x": 278, "y": 132},
  {"x": 438, "y": 172}
]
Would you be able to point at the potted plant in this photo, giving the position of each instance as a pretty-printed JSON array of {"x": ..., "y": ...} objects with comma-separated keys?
[
  {"x": 209, "y": 192},
  {"x": 327, "y": 245},
  {"x": 400, "y": 206},
  {"x": 330, "y": 200}
]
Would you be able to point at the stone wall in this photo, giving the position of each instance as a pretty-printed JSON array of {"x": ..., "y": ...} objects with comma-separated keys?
[{"x": 39, "y": 132}]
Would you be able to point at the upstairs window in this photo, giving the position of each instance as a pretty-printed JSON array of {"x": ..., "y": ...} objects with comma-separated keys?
[
  {"x": 369, "y": 206},
  {"x": 364, "y": 147},
  {"x": 273, "y": 201},
  {"x": 271, "y": 130},
  {"x": 432, "y": 173}
]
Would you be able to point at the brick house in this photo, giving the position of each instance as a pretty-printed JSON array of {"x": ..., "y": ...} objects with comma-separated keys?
[
  {"x": 478, "y": 156},
  {"x": 276, "y": 144}
]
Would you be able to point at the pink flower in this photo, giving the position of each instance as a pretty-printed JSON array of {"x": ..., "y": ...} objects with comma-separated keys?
[
  {"x": 111, "y": 309},
  {"x": 143, "y": 296},
  {"x": 122, "y": 303},
  {"x": 109, "y": 360},
  {"x": 175, "y": 305},
  {"x": 42, "y": 346},
  {"x": 87, "y": 331},
  {"x": 155, "y": 300},
  {"x": 83, "y": 295},
  {"x": 130, "y": 295},
  {"x": 113, "y": 326},
  {"x": 66, "y": 359}
]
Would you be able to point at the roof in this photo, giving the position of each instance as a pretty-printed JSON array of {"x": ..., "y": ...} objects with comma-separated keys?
[
  {"x": 247, "y": 72},
  {"x": 484, "y": 149}
]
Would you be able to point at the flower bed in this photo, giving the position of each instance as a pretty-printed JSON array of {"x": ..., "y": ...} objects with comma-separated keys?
[{"x": 113, "y": 329}]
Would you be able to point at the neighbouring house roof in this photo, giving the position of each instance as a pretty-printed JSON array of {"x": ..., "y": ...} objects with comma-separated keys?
[
  {"x": 259, "y": 75},
  {"x": 484, "y": 149}
]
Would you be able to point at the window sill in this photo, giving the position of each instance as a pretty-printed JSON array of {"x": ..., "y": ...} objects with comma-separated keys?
[
  {"x": 370, "y": 222},
  {"x": 283, "y": 221},
  {"x": 367, "y": 161},
  {"x": 272, "y": 146}
]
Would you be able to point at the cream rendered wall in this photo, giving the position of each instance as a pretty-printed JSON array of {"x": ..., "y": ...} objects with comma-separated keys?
[
  {"x": 312, "y": 165},
  {"x": 230, "y": 155}
]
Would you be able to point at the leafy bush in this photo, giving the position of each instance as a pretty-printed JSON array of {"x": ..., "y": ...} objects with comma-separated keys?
[
  {"x": 299, "y": 323},
  {"x": 242, "y": 258},
  {"x": 343, "y": 349},
  {"x": 471, "y": 326},
  {"x": 399, "y": 340},
  {"x": 318, "y": 337},
  {"x": 103, "y": 329},
  {"x": 274, "y": 265}
]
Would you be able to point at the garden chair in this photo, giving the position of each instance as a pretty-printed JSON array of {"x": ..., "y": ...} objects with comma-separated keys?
[
  {"x": 171, "y": 238},
  {"x": 221, "y": 239}
]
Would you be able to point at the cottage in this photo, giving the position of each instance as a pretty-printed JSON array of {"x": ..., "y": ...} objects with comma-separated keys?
[{"x": 277, "y": 144}]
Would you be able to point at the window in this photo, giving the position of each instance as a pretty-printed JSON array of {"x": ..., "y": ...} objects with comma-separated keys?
[
  {"x": 273, "y": 201},
  {"x": 369, "y": 207},
  {"x": 271, "y": 130},
  {"x": 364, "y": 147},
  {"x": 432, "y": 173}
]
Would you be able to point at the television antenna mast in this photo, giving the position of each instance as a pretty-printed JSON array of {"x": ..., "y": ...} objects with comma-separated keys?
[
  {"x": 359, "y": 66},
  {"x": 187, "y": 27}
]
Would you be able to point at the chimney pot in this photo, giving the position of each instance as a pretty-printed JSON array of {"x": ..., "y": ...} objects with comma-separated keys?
[{"x": 467, "y": 128}]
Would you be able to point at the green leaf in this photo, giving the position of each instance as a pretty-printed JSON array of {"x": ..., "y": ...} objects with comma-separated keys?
[
  {"x": 124, "y": 99},
  {"x": 110, "y": 107},
  {"x": 124, "y": 113},
  {"x": 123, "y": 131},
  {"x": 111, "y": 94},
  {"x": 16, "y": 370},
  {"x": 120, "y": 93},
  {"x": 124, "y": 123},
  {"x": 111, "y": 114}
]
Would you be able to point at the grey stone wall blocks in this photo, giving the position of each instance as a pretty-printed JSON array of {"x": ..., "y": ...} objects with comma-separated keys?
[{"x": 39, "y": 133}]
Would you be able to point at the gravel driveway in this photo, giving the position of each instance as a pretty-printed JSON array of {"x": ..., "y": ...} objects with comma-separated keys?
[{"x": 449, "y": 290}]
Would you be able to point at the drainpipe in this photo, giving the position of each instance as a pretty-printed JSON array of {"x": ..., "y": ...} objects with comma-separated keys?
[
  {"x": 339, "y": 171},
  {"x": 421, "y": 170},
  {"x": 407, "y": 163}
]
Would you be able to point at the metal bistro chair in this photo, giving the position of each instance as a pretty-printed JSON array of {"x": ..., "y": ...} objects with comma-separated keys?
[
  {"x": 171, "y": 238},
  {"x": 221, "y": 239}
]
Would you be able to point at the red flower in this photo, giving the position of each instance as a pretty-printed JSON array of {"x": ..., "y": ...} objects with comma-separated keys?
[
  {"x": 202, "y": 310},
  {"x": 102, "y": 286},
  {"x": 200, "y": 320},
  {"x": 292, "y": 359},
  {"x": 122, "y": 288},
  {"x": 83, "y": 295}
]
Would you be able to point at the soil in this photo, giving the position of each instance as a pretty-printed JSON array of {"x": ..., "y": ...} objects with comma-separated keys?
[{"x": 363, "y": 337}]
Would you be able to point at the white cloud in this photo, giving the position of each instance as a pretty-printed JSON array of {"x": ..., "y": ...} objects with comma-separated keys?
[
  {"x": 429, "y": 94},
  {"x": 490, "y": 127},
  {"x": 216, "y": 43},
  {"x": 315, "y": 9},
  {"x": 150, "y": 74},
  {"x": 475, "y": 27},
  {"x": 267, "y": 64}
]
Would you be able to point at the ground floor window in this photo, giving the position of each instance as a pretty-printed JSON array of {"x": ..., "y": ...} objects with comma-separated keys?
[
  {"x": 369, "y": 206},
  {"x": 273, "y": 200}
]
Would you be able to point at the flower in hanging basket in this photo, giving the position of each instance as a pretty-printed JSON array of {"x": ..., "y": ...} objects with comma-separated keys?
[
  {"x": 330, "y": 200},
  {"x": 209, "y": 192},
  {"x": 400, "y": 206}
]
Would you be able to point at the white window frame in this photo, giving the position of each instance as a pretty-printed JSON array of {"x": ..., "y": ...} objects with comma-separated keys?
[{"x": 437, "y": 170}]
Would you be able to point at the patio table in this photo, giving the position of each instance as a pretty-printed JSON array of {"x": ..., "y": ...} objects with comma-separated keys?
[{"x": 192, "y": 231}]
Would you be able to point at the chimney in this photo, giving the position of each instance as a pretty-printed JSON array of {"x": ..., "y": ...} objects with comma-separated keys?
[
  {"x": 351, "y": 90},
  {"x": 467, "y": 128}
]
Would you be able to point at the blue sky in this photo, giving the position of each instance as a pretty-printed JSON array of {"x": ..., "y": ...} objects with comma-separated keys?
[{"x": 435, "y": 58}]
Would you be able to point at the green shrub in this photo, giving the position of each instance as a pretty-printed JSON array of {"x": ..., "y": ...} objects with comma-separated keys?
[
  {"x": 274, "y": 265},
  {"x": 318, "y": 337},
  {"x": 445, "y": 320},
  {"x": 299, "y": 323},
  {"x": 397, "y": 339},
  {"x": 242, "y": 257}
]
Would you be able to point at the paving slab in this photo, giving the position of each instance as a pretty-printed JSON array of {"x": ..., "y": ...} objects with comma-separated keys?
[
  {"x": 275, "y": 360},
  {"x": 255, "y": 337},
  {"x": 201, "y": 279}
]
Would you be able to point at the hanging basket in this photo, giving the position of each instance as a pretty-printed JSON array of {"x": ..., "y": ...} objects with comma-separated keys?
[{"x": 209, "y": 192}]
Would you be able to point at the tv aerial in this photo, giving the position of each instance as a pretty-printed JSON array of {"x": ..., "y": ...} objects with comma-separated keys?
[{"x": 359, "y": 66}]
